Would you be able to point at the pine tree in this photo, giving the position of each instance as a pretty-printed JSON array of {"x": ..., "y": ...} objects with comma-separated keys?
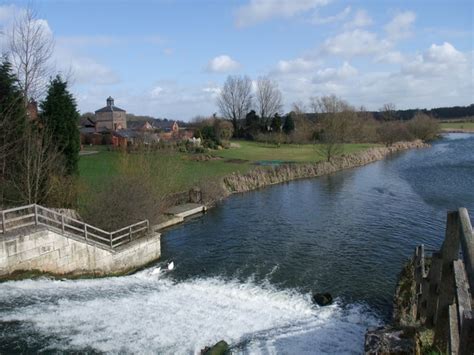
[
  {"x": 13, "y": 121},
  {"x": 276, "y": 123},
  {"x": 289, "y": 125},
  {"x": 60, "y": 116}
]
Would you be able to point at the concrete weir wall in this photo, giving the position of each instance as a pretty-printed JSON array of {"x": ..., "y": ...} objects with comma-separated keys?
[{"x": 47, "y": 251}]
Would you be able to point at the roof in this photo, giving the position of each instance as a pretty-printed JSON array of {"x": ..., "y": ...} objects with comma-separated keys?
[
  {"x": 126, "y": 133},
  {"x": 110, "y": 108}
]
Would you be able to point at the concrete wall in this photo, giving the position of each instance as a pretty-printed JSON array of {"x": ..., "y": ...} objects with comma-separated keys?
[{"x": 47, "y": 251}]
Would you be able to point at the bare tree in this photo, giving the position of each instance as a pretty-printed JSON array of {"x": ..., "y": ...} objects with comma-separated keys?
[
  {"x": 30, "y": 48},
  {"x": 235, "y": 99},
  {"x": 269, "y": 99},
  {"x": 38, "y": 162},
  {"x": 336, "y": 118},
  {"x": 388, "y": 111}
]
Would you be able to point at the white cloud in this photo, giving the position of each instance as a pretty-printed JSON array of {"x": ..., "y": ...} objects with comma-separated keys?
[
  {"x": 317, "y": 20},
  {"x": 355, "y": 43},
  {"x": 439, "y": 60},
  {"x": 346, "y": 71},
  {"x": 401, "y": 26},
  {"x": 156, "y": 92},
  {"x": 222, "y": 64},
  {"x": 360, "y": 19},
  {"x": 296, "y": 65},
  {"x": 257, "y": 11}
]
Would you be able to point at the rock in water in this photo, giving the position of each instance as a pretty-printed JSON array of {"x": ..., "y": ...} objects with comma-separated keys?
[
  {"x": 218, "y": 349},
  {"x": 322, "y": 299},
  {"x": 392, "y": 340}
]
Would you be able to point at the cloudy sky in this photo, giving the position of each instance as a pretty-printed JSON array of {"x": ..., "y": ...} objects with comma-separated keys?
[{"x": 168, "y": 58}]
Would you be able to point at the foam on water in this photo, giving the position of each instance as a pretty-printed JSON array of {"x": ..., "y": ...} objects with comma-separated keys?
[{"x": 146, "y": 313}]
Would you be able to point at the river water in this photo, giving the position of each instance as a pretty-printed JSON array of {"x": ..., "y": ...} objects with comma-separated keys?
[{"x": 245, "y": 271}]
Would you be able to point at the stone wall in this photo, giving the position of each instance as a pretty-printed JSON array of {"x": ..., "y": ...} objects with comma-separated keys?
[{"x": 47, "y": 251}]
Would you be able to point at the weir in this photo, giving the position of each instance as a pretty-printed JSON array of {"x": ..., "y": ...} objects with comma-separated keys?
[{"x": 35, "y": 238}]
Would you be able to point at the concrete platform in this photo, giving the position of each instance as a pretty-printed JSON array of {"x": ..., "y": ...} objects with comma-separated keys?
[{"x": 186, "y": 210}]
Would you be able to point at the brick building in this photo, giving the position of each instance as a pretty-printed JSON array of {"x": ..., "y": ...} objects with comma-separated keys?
[{"x": 111, "y": 117}]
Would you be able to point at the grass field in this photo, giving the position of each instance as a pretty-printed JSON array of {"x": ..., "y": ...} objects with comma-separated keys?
[
  {"x": 183, "y": 172},
  {"x": 458, "y": 125}
]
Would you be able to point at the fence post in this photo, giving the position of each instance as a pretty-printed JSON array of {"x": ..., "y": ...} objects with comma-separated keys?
[
  {"x": 62, "y": 223},
  {"x": 130, "y": 233},
  {"x": 147, "y": 225},
  {"x": 36, "y": 214},
  {"x": 111, "y": 242},
  {"x": 85, "y": 231},
  {"x": 4, "y": 227}
]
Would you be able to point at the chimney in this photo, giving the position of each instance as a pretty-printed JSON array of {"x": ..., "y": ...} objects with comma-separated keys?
[{"x": 110, "y": 101}]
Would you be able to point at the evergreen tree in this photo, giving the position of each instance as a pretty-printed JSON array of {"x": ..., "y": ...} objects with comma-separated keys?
[
  {"x": 276, "y": 123},
  {"x": 60, "y": 116},
  {"x": 289, "y": 125},
  {"x": 13, "y": 121}
]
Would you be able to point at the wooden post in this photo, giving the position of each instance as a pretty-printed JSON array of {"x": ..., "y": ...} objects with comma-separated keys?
[
  {"x": 4, "y": 226},
  {"x": 130, "y": 233},
  {"x": 467, "y": 244},
  {"x": 466, "y": 338},
  {"x": 62, "y": 223},
  {"x": 449, "y": 253},
  {"x": 85, "y": 231},
  {"x": 147, "y": 225},
  {"x": 453, "y": 341},
  {"x": 111, "y": 242}
]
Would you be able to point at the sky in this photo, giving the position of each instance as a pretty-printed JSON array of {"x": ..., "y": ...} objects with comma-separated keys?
[{"x": 169, "y": 58}]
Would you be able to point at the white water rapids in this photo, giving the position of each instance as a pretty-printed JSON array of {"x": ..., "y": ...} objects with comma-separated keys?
[{"x": 146, "y": 313}]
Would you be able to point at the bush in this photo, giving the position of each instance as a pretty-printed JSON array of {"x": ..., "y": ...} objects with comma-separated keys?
[
  {"x": 393, "y": 131},
  {"x": 423, "y": 127}
]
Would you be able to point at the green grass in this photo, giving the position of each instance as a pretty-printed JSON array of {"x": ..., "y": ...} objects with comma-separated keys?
[
  {"x": 254, "y": 152},
  {"x": 458, "y": 125},
  {"x": 182, "y": 172}
]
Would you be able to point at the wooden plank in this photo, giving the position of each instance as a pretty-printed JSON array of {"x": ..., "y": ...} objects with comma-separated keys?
[
  {"x": 453, "y": 343},
  {"x": 467, "y": 244},
  {"x": 463, "y": 297},
  {"x": 466, "y": 338}
]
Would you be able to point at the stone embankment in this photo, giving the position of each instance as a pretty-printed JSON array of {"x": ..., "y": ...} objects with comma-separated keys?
[{"x": 261, "y": 177}]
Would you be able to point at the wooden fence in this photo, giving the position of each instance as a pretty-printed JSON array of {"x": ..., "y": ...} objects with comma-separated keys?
[
  {"x": 445, "y": 292},
  {"x": 36, "y": 215}
]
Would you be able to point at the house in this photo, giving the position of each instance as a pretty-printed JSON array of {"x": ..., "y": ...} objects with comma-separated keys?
[{"x": 111, "y": 117}]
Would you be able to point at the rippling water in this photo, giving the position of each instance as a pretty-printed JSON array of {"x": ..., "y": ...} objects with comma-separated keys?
[{"x": 244, "y": 271}]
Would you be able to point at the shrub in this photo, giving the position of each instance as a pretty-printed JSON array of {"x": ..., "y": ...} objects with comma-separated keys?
[{"x": 423, "y": 127}]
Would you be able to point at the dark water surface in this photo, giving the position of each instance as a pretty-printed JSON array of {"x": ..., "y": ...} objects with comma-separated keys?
[{"x": 245, "y": 270}]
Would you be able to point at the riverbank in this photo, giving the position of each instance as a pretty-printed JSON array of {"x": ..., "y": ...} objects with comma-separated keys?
[
  {"x": 266, "y": 176},
  {"x": 260, "y": 177}
]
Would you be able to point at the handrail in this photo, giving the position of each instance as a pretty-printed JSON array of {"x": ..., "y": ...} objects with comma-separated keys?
[{"x": 66, "y": 224}]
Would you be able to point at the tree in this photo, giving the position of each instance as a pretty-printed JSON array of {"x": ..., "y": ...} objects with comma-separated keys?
[
  {"x": 252, "y": 123},
  {"x": 30, "y": 48},
  {"x": 268, "y": 99},
  {"x": 423, "y": 127},
  {"x": 38, "y": 163},
  {"x": 13, "y": 121},
  {"x": 289, "y": 125},
  {"x": 389, "y": 112},
  {"x": 60, "y": 117},
  {"x": 235, "y": 99},
  {"x": 276, "y": 123}
]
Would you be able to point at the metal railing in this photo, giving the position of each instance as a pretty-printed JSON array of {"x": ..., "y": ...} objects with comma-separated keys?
[{"x": 36, "y": 215}]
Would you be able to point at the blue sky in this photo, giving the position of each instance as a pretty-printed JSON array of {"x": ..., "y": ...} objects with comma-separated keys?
[{"x": 169, "y": 58}]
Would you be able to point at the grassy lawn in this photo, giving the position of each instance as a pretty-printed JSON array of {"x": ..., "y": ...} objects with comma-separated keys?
[
  {"x": 182, "y": 172},
  {"x": 253, "y": 152},
  {"x": 458, "y": 125}
]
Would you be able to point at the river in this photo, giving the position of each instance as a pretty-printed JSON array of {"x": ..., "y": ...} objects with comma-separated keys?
[{"x": 245, "y": 271}]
